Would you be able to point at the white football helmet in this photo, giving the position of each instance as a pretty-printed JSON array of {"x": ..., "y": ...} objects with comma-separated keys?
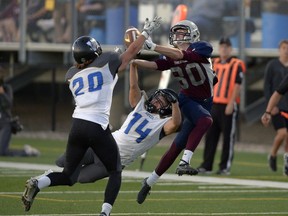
[{"x": 191, "y": 36}]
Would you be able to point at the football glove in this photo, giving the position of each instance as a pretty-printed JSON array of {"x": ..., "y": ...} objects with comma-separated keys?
[
  {"x": 149, "y": 45},
  {"x": 169, "y": 97},
  {"x": 150, "y": 26}
]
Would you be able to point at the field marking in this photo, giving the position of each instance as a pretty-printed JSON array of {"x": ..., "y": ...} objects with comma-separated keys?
[
  {"x": 211, "y": 180},
  {"x": 180, "y": 214},
  {"x": 153, "y": 199},
  {"x": 171, "y": 177},
  {"x": 154, "y": 192}
]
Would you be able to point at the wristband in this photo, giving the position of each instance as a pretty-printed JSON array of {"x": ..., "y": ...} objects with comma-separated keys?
[
  {"x": 145, "y": 34},
  {"x": 269, "y": 113},
  {"x": 153, "y": 46}
]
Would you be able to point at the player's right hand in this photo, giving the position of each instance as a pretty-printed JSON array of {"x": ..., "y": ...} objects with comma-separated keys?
[{"x": 265, "y": 119}]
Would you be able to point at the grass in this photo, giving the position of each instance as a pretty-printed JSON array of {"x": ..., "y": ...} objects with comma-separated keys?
[{"x": 167, "y": 197}]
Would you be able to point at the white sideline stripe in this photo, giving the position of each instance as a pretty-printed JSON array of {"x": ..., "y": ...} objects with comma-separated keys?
[
  {"x": 160, "y": 192},
  {"x": 29, "y": 166},
  {"x": 212, "y": 180},
  {"x": 180, "y": 214},
  {"x": 172, "y": 177}
]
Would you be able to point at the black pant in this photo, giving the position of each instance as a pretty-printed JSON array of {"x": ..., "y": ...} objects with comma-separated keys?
[
  {"x": 225, "y": 124},
  {"x": 85, "y": 134}
]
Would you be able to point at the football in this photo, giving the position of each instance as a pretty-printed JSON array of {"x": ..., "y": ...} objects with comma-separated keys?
[{"x": 130, "y": 36}]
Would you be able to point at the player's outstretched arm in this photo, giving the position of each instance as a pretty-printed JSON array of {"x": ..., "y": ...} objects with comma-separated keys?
[
  {"x": 134, "y": 90},
  {"x": 171, "y": 52},
  {"x": 136, "y": 46},
  {"x": 145, "y": 64},
  {"x": 174, "y": 123}
]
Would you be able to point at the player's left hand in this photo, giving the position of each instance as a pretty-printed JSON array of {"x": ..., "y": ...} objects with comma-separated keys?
[
  {"x": 229, "y": 108},
  {"x": 150, "y": 26},
  {"x": 170, "y": 97},
  {"x": 149, "y": 44}
]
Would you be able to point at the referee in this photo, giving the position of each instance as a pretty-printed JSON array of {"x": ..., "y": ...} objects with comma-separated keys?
[{"x": 225, "y": 109}]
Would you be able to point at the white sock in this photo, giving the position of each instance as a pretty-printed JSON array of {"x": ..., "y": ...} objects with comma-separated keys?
[
  {"x": 152, "y": 179},
  {"x": 286, "y": 159},
  {"x": 43, "y": 182},
  {"x": 187, "y": 155},
  {"x": 106, "y": 207}
]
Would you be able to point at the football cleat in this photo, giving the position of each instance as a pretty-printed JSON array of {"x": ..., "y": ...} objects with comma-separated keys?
[
  {"x": 272, "y": 160},
  {"x": 145, "y": 190},
  {"x": 186, "y": 169},
  {"x": 285, "y": 171},
  {"x": 103, "y": 214},
  {"x": 203, "y": 170},
  {"x": 30, "y": 192},
  {"x": 223, "y": 172}
]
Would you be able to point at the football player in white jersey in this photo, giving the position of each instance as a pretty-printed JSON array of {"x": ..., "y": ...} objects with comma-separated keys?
[
  {"x": 91, "y": 82},
  {"x": 151, "y": 119}
]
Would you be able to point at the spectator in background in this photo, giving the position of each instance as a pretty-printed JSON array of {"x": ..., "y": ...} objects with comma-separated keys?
[
  {"x": 36, "y": 10},
  {"x": 62, "y": 16},
  {"x": 91, "y": 14},
  {"x": 9, "y": 21},
  {"x": 275, "y": 72},
  {"x": 6, "y": 102},
  {"x": 225, "y": 109},
  {"x": 207, "y": 15},
  {"x": 266, "y": 117}
]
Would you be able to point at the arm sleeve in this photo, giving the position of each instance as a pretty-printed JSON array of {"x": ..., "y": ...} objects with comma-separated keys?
[
  {"x": 114, "y": 62},
  {"x": 163, "y": 64},
  {"x": 70, "y": 73},
  {"x": 239, "y": 76},
  {"x": 283, "y": 87},
  {"x": 198, "y": 52}
]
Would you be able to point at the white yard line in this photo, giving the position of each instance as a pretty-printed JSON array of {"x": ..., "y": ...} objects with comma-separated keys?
[
  {"x": 178, "y": 214},
  {"x": 171, "y": 177},
  {"x": 160, "y": 192},
  {"x": 212, "y": 180}
]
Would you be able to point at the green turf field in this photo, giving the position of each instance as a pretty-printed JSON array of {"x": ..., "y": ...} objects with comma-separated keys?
[{"x": 183, "y": 196}]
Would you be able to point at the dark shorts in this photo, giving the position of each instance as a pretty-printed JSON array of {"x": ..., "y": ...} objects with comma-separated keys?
[{"x": 279, "y": 121}]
